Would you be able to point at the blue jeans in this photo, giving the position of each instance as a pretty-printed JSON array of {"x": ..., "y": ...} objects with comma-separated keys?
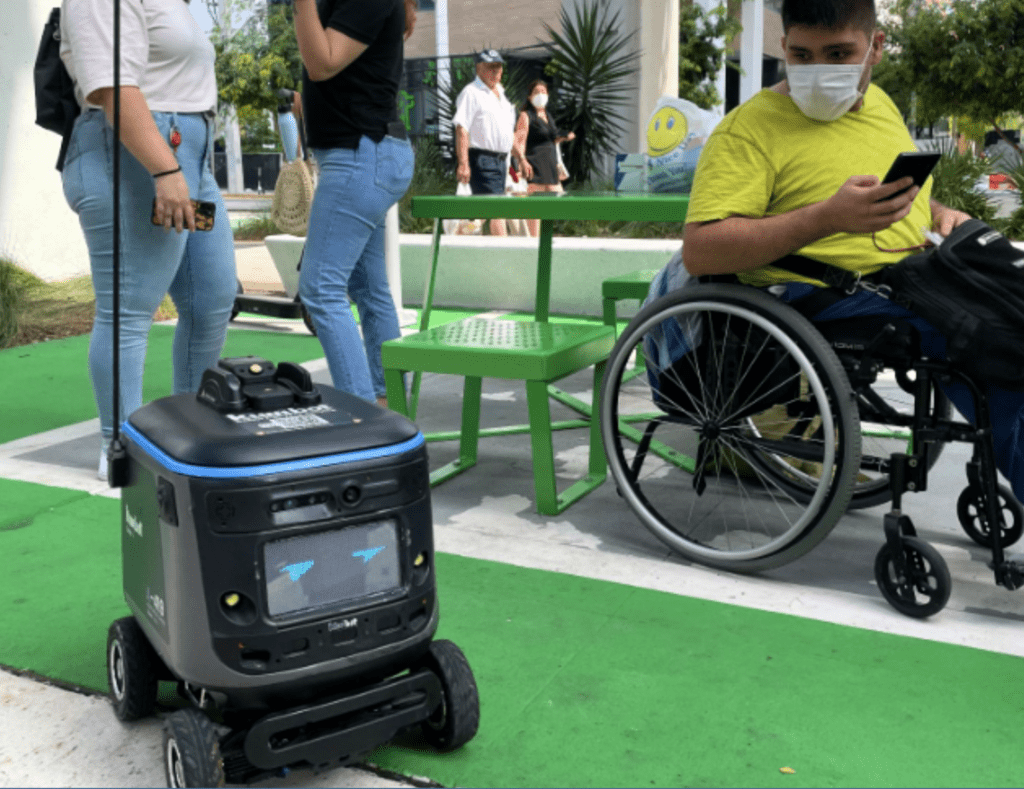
[
  {"x": 289, "y": 135},
  {"x": 344, "y": 255},
  {"x": 1005, "y": 407},
  {"x": 197, "y": 269}
]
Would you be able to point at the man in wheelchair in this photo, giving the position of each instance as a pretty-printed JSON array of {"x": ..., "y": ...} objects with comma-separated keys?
[{"x": 795, "y": 171}]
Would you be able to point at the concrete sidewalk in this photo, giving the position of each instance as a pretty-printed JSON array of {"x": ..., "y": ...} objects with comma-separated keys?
[{"x": 55, "y": 737}]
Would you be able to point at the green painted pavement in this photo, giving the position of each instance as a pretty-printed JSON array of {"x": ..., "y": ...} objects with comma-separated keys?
[{"x": 589, "y": 683}]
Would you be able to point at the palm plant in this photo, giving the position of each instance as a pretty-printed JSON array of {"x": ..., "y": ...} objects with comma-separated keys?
[
  {"x": 592, "y": 63},
  {"x": 955, "y": 178}
]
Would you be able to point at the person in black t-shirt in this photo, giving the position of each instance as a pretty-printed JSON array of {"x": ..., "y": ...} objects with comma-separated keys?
[{"x": 352, "y": 53}]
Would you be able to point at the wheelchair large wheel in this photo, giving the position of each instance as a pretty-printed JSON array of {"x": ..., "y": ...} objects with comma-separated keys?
[{"x": 709, "y": 457}]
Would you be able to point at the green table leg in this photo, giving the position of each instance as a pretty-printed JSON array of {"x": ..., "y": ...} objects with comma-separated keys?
[
  {"x": 547, "y": 227},
  {"x": 428, "y": 302}
]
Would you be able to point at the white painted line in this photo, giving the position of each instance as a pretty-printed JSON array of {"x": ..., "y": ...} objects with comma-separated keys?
[{"x": 495, "y": 532}]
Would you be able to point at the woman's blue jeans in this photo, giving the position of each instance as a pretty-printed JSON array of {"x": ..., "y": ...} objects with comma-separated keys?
[
  {"x": 344, "y": 256},
  {"x": 197, "y": 269}
]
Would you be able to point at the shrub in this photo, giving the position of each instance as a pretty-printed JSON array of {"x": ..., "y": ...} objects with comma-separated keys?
[
  {"x": 14, "y": 283},
  {"x": 955, "y": 182},
  {"x": 255, "y": 229},
  {"x": 429, "y": 177}
]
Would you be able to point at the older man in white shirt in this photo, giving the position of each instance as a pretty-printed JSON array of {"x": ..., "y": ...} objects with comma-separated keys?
[{"x": 484, "y": 131}]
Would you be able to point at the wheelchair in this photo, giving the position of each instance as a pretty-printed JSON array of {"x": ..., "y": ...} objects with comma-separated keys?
[{"x": 745, "y": 451}]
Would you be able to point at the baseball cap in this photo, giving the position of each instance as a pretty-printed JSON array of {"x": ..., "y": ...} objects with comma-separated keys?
[{"x": 489, "y": 56}]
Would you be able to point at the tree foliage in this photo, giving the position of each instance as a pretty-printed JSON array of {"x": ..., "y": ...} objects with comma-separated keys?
[
  {"x": 256, "y": 56},
  {"x": 964, "y": 59},
  {"x": 700, "y": 57},
  {"x": 592, "y": 63}
]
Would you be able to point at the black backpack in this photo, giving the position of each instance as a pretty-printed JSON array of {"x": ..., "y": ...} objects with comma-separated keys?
[
  {"x": 56, "y": 106},
  {"x": 970, "y": 288}
]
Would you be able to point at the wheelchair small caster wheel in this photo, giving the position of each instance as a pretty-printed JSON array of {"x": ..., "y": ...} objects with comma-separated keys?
[
  {"x": 192, "y": 750},
  {"x": 131, "y": 670},
  {"x": 970, "y": 509},
  {"x": 457, "y": 718},
  {"x": 921, "y": 586}
]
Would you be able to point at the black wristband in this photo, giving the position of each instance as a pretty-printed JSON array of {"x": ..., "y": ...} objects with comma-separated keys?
[{"x": 167, "y": 172}]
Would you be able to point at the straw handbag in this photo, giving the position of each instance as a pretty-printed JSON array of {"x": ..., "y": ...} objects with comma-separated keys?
[{"x": 293, "y": 193}]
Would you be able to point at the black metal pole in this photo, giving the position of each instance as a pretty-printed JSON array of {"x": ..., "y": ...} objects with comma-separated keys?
[{"x": 117, "y": 457}]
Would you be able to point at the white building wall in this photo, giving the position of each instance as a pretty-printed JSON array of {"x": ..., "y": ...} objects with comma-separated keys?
[{"x": 37, "y": 229}]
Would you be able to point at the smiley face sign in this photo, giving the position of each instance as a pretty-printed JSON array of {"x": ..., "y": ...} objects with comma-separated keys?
[
  {"x": 666, "y": 130},
  {"x": 676, "y": 133}
]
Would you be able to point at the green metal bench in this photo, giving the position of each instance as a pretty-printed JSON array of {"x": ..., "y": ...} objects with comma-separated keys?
[
  {"x": 538, "y": 353},
  {"x": 628, "y": 286}
]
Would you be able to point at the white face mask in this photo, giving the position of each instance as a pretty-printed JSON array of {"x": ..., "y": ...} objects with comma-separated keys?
[
  {"x": 540, "y": 101},
  {"x": 825, "y": 92}
]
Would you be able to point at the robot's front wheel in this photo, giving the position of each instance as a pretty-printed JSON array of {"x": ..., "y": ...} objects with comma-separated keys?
[
  {"x": 131, "y": 670},
  {"x": 456, "y": 720},
  {"x": 192, "y": 750}
]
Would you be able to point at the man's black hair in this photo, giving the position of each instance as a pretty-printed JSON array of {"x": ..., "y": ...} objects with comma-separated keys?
[{"x": 831, "y": 14}]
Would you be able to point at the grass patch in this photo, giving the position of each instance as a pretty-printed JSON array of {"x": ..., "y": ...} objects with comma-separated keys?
[
  {"x": 255, "y": 229},
  {"x": 53, "y": 310}
]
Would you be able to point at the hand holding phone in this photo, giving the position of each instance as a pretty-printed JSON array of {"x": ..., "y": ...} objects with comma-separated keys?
[
  {"x": 918, "y": 165},
  {"x": 204, "y": 213}
]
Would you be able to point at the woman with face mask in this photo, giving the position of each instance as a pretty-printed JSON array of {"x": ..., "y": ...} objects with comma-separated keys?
[{"x": 535, "y": 144}]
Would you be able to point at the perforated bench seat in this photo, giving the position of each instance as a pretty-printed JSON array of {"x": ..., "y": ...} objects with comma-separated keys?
[{"x": 534, "y": 352}]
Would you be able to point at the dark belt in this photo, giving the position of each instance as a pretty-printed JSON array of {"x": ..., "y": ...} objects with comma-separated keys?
[
  {"x": 485, "y": 152},
  {"x": 397, "y": 130}
]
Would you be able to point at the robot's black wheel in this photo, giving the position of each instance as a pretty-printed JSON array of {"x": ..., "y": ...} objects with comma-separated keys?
[
  {"x": 192, "y": 750},
  {"x": 456, "y": 720},
  {"x": 132, "y": 668},
  {"x": 922, "y": 588},
  {"x": 970, "y": 509}
]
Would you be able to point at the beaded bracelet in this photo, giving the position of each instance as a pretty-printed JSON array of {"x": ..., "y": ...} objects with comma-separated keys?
[{"x": 168, "y": 172}]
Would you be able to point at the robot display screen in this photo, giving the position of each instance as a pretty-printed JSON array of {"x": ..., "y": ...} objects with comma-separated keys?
[{"x": 331, "y": 568}]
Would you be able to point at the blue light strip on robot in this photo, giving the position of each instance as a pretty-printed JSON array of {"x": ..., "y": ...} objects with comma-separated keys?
[{"x": 234, "y": 472}]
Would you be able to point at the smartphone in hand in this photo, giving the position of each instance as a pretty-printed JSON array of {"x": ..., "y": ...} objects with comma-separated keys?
[
  {"x": 204, "y": 213},
  {"x": 918, "y": 164}
]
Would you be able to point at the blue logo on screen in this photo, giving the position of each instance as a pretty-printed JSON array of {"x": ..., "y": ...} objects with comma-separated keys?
[
  {"x": 369, "y": 553},
  {"x": 296, "y": 571}
]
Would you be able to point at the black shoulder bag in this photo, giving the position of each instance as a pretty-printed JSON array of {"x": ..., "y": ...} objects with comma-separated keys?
[{"x": 56, "y": 106}]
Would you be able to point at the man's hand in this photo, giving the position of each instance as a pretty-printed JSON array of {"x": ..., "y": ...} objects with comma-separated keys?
[
  {"x": 944, "y": 219},
  {"x": 462, "y": 173},
  {"x": 863, "y": 205}
]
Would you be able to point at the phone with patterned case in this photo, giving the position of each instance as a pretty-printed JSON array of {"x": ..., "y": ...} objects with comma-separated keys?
[{"x": 204, "y": 213}]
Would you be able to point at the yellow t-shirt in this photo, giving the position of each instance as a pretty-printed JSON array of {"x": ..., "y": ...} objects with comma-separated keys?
[{"x": 767, "y": 158}]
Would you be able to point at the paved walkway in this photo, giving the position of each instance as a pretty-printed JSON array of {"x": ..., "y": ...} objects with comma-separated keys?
[{"x": 53, "y": 737}]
